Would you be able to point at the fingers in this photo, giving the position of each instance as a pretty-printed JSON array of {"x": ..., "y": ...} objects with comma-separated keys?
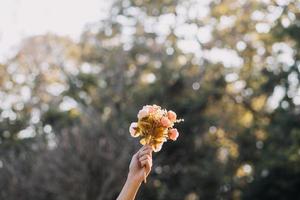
[
  {"x": 145, "y": 152},
  {"x": 143, "y": 148},
  {"x": 146, "y": 161},
  {"x": 145, "y": 157},
  {"x": 147, "y": 164},
  {"x": 147, "y": 149}
]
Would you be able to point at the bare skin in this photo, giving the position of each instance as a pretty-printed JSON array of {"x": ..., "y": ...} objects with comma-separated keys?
[{"x": 140, "y": 166}]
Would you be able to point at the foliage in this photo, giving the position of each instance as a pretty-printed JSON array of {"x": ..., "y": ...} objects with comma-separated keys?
[{"x": 229, "y": 68}]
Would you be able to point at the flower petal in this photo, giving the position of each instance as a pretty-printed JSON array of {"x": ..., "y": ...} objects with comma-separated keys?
[
  {"x": 157, "y": 147},
  {"x": 143, "y": 141}
]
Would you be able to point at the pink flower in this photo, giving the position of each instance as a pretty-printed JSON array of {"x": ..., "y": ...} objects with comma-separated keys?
[
  {"x": 173, "y": 134},
  {"x": 152, "y": 110},
  {"x": 132, "y": 129},
  {"x": 165, "y": 122},
  {"x": 146, "y": 107},
  {"x": 143, "y": 113},
  {"x": 172, "y": 116},
  {"x": 156, "y": 107}
]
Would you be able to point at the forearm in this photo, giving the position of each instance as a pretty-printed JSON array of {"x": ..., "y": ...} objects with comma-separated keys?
[{"x": 130, "y": 188}]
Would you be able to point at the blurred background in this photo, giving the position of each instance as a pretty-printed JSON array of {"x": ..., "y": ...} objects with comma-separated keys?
[{"x": 73, "y": 75}]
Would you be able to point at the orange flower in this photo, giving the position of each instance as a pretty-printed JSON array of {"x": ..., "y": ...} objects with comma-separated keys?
[
  {"x": 173, "y": 134},
  {"x": 154, "y": 126},
  {"x": 172, "y": 116},
  {"x": 165, "y": 122},
  {"x": 152, "y": 110}
]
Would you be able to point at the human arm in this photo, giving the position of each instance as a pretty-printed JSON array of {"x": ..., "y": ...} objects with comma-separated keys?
[{"x": 139, "y": 167}]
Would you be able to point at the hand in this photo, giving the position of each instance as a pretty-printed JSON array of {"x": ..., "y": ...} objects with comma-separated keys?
[{"x": 141, "y": 164}]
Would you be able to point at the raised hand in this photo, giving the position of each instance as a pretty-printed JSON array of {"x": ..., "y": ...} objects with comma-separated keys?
[
  {"x": 141, "y": 164},
  {"x": 139, "y": 168}
]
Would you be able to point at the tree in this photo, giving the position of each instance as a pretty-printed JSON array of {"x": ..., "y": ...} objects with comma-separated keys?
[{"x": 228, "y": 68}]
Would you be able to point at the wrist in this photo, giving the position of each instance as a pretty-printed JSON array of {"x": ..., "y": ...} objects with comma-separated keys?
[{"x": 134, "y": 178}]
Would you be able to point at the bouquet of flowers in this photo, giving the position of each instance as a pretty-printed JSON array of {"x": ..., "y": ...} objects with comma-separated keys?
[{"x": 155, "y": 126}]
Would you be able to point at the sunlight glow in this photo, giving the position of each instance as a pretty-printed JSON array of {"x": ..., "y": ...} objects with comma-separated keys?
[{"x": 23, "y": 18}]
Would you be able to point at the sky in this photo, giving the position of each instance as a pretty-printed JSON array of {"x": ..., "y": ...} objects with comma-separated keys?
[{"x": 23, "y": 18}]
